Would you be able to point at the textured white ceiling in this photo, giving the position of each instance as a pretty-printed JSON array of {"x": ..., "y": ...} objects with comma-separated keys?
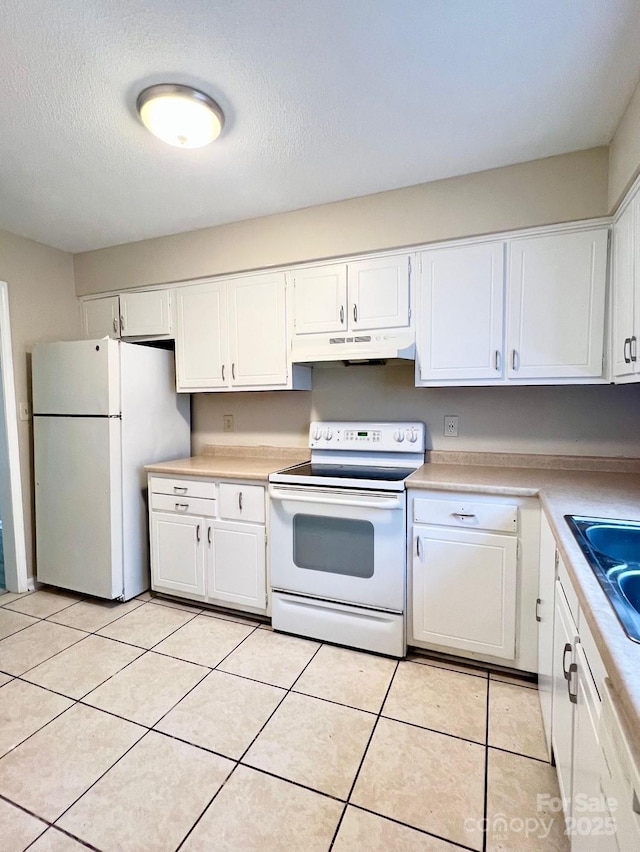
[{"x": 324, "y": 100}]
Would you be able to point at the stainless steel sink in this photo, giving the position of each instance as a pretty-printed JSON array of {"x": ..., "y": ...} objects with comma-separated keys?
[{"x": 612, "y": 549}]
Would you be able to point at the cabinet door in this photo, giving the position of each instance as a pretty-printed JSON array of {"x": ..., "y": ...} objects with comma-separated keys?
[
  {"x": 564, "y": 641},
  {"x": 465, "y": 589},
  {"x": 544, "y": 615},
  {"x": 236, "y": 565},
  {"x": 145, "y": 314},
  {"x": 459, "y": 325},
  {"x": 201, "y": 336},
  {"x": 556, "y": 297},
  {"x": 320, "y": 299},
  {"x": 587, "y": 760},
  {"x": 242, "y": 502},
  {"x": 379, "y": 293},
  {"x": 101, "y": 318},
  {"x": 177, "y": 554},
  {"x": 258, "y": 331},
  {"x": 623, "y": 291}
]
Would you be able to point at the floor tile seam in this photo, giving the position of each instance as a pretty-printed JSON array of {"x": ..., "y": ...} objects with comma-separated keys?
[
  {"x": 542, "y": 760},
  {"x": 21, "y": 629},
  {"x": 10, "y": 801},
  {"x": 235, "y": 648},
  {"x": 124, "y": 642},
  {"x": 155, "y": 650},
  {"x": 199, "y": 746},
  {"x": 92, "y": 785},
  {"x": 44, "y": 617},
  {"x": 433, "y": 730},
  {"x": 444, "y": 667},
  {"x": 191, "y": 689},
  {"x": 332, "y": 701},
  {"x": 57, "y": 653},
  {"x": 206, "y": 808},
  {"x": 94, "y": 632},
  {"x": 485, "y": 792},
  {"x": 176, "y": 606},
  {"x": 412, "y": 827},
  {"x": 370, "y": 740},
  {"x": 533, "y": 686},
  {"x": 64, "y": 831},
  {"x": 279, "y": 704},
  {"x": 42, "y": 727},
  {"x": 173, "y": 631},
  {"x": 299, "y": 784}
]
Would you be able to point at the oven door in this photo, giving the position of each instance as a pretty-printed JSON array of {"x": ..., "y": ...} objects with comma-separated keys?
[{"x": 341, "y": 545}]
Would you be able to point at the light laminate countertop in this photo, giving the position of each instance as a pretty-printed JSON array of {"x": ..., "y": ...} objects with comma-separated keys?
[
  {"x": 568, "y": 492},
  {"x": 254, "y": 463}
]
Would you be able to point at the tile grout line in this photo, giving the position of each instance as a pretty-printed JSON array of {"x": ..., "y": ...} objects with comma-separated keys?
[
  {"x": 244, "y": 753},
  {"x": 413, "y": 828},
  {"x": 364, "y": 754}
]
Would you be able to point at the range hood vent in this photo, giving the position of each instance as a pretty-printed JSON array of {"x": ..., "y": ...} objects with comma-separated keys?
[{"x": 371, "y": 347}]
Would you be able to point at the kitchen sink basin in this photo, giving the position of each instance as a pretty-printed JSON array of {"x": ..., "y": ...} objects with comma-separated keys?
[{"x": 612, "y": 549}]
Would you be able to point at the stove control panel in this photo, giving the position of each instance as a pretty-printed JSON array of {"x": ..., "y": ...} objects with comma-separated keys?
[{"x": 372, "y": 437}]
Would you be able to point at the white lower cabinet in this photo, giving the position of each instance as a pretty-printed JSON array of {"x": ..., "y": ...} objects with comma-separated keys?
[
  {"x": 197, "y": 554},
  {"x": 466, "y": 594},
  {"x": 564, "y": 642}
]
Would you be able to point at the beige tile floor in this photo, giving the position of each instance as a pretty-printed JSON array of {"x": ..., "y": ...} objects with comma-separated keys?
[{"x": 150, "y": 726}]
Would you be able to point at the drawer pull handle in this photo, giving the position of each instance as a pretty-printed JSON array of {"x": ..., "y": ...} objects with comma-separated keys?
[
  {"x": 180, "y": 489},
  {"x": 240, "y": 500},
  {"x": 573, "y": 696},
  {"x": 538, "y": 616},
  {"x": 179, "y": 506},
  {"x": 463, "y": 516},
  {"x": 567, "y": 650}
]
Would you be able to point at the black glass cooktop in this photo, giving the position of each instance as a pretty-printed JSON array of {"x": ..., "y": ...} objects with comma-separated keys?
[{"x": 350, "y": 471}]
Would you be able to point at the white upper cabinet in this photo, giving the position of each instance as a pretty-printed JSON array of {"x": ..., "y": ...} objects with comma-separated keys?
[
  {"x": 201, "y": 336},
  {"x": 626, "y": 292},
  {"x": 258, "y": 331},
  {"x": 101, "y": 318},
  {"x": 356, "y": 296},
  {"x": 146, "y": 313},
  {"x": 556, "y": 289},
  {"x": 232, "y": 334},
  {"x": 320, "y": 300},
  {"x": 460, "y": 309},
  {"x": 378, "y": 292}
]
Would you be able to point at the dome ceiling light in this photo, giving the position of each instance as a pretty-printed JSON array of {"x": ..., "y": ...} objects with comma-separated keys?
[{"x": 180, "y": 115}]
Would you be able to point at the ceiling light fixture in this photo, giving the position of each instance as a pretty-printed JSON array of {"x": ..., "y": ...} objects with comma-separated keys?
[{"x": 180, "y": 115}]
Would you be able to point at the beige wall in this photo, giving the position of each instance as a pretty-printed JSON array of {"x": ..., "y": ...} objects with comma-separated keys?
[
  {"x": 556, "y": 189},
  {"x": 43, "y": 306},
  {"x": 624, "y": 152},
  {"x": 573, "y": 420}
]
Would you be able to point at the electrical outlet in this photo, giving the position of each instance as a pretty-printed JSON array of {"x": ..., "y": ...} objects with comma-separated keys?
[
  {"x": 451, "y": 425},
  {"x": 227, "y": 422}
]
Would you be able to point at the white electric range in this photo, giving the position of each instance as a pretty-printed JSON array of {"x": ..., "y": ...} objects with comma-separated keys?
[{"x": 338, "y": 535}]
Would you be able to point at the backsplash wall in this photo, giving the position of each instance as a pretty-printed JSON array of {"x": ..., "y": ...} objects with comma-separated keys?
[{"x": 601, "y": 420}]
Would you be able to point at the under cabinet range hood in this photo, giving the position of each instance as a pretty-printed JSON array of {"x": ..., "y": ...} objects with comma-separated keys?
[{"x": 397, "y": 344}]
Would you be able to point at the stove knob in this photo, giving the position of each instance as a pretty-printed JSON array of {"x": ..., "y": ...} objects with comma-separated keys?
[
  {"x": 412, "y": 435},
  {"x": 317, "y": 434},
  {"x": 328, "y": 434},
  {"x": 398, "y": 436}
]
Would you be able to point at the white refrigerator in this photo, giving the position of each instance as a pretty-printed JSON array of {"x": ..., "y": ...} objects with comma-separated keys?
[{"x": 102, "y": 409}]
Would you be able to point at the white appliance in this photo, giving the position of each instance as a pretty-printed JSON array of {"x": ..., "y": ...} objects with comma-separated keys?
[
  {"x": 338, "y": 532},
  {"x": 102, "y": 409},
  {"x": 378, "y": 345}
]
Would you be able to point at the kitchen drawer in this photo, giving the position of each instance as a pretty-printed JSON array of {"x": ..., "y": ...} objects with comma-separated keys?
[
  {"x": 183, "y": 505},
  {"x": 242, "y": 502},
  {"x": 183, "y": 487},
  {"x": 500, "y": 517}
]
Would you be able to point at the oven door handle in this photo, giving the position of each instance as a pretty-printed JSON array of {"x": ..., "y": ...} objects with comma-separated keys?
[{"x": 367, "y": 501}]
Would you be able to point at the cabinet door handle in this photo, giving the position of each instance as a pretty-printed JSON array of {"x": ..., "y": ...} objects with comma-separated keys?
[
  {"x": 233, "y": 370},
  {"x": 538, "y": 616},
  {"x": 632, "y": 349},
  {"x": 463, "y": 516},
  {"x": 568, "y": 648},
  {"x": 498, "y": 360},
  {"x": 417, "y": 545},
  {"x": 223, "y": 372},
  {"x": 180, "y": 489},
  {"x": 627, "y": 357},
  {"x": 573, "y": 696},
  {"x": 515, "y": 360},
  {"x": 121, "y": 322},
  {"x": 179, "y": 506},
  {"x": 198, "y": 533},
  {"x": 115, "y": 325},
  {"x": 240, "y": 500},
  {"x": 209, "y": 534},
  {"x": 341, "y": 314},
  {"x": 355, "y": 312}
]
